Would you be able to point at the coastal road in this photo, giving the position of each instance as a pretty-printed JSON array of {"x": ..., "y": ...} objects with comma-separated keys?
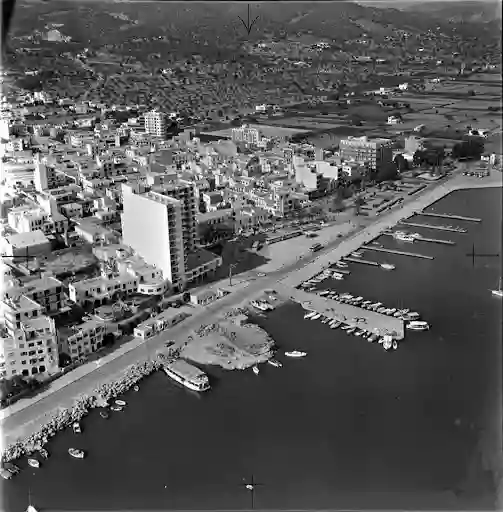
[{"x": 29, "y": 415}]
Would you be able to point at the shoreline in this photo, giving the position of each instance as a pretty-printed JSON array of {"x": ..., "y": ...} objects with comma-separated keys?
[{"x": 222, "y": 306}]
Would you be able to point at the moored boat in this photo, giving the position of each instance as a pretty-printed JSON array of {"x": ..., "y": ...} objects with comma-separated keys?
[
  {"x": 7, "y": 475},
  {"x": 387, "y": 342},
  {"x": 116, "y": 408},
  {"x": 296, "y": 353},
  {"x": 309, "y": 314},
  {"x": 76, "y": 453},
  {"x": 34, "y": 463},
  {"x": 136, "y": 388},
  {"x": 104, "y": 415},
  {"x": 43, "y": 453},
  {"x": 387, "y": 266},
  {"x": 122, "y": 403},
  {"x": 275, "y": 363},
  {"x": 256, "y": 370},
  {"x": 417, "y": 326},
  {"x": 498, "y": 292},
  {"x": 316, "y": 316},
  {"x": 76, "y": 427},
  {"x": 188, "y": 375}
]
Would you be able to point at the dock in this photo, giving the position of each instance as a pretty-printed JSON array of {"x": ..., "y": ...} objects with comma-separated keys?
[
  {"x": 424, "y": 239},
  {"x": 450, "y": 216},
  {"x": 346, "y": 313},
  {"x": 361, "y": 260},
  {"x": 402, "y": 253},
  {"x": 431, "y": 226}
]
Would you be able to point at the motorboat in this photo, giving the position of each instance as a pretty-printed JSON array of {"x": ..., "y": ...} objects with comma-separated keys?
[
  {"x": 341, "y": 264},
  {"x": 43, "y": 453},
  {"x": 275, "y": 363},
  {"x": 351, "y": 330},
  {"x": 76, "y": 428},
  {"x": 122, "y": 403},
  {"x": 325, "y": 320},
  {"x": 395, "y": 344},
  {"x": 316, "y": 316},
  {"x": 296, "y": 353},
  {"x": 381, "y": 310},
  {"x": 397, "y": 314},
  {"x": 404, "y": 237},
  {"x": 387, "y": 266},
  {"x": 11, "y": 468},
  {"x": 116, "y": 408},
  {"x": 256, "y": 370},
  {"x": 392, "y": 310},
  {"x": 136, "y": 388},
  {"x": 309, "y": 314},
  {"x": 34, "y": 463},
  {"x": 76, "y": 453},
  {"x": 356, "y": 254},
  {"x": 358, "y": 332},
  {"x": 387, "y": 342},
  {"x": 373, "y": 338},
  {"x": 498, "y": 292},
  {"x": 411, "y": 316},
  {"x": 258, "y": 305},
  {"x": 31, "y": 508},
  {"x": 324, "y": 292},
  {"x": 418, "y": 326},
  {"x": 104, "y": 414}
]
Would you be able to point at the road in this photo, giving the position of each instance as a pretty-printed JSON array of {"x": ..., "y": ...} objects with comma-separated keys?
[{"x": 26, "y": 420}]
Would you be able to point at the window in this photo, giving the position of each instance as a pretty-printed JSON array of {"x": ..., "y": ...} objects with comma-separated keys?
[{"x": 23, "y": 362}]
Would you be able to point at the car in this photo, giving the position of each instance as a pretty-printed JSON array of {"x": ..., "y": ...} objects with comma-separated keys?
[{"x": 261, "y": 274}]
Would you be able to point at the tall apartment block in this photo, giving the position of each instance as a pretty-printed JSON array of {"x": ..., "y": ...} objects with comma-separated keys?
[
  {"x": 44, "y": 175},
  {"x": 28, "y": 340},
  {"x": 376, "y": 152},
  {"x": 245, "y": 134},
  {"x": 156, "y": 123},
  {"x": 152, "y": 225}
]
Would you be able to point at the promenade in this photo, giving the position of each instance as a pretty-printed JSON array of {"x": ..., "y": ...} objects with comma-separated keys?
[{"x": 26, "y": 416}]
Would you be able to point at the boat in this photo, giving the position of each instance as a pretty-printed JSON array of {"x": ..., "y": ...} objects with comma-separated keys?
[
  {"x": 397, "y": 314},
  {"x": 346, "y": 327},
  {"x": 136, "y": 388},
  {"x": 30, "y": 507},
  {"x": 358, "y": 332},
  {"x": 404, "y": 237},
  {"x": 76, "y": 428},
  {"x": 387, "y": 266},
  {"x": 351, "y": 330},
  {"x": 76, "y": 453},
  {"x": 308, "y": 315},
  {"x": 316, "y": 316},
  {"x": 11, "y": 467},
  {"x": 296, "y": 353},
  {"x": 392, "y": 311},
  {"x": 275, "y": 363},
  {"x": 498, "y": 292},
  {"x": 189, "y": 376},
  {"x": 356, "y": 254},
  {"x": 325, "y": 320},
  {"x": 417, "y": 326},
  {"x": 256, "y": 370},
  {"x": 323, "y": 293},
  {"x": 341, "y": 264},
  {"x": 122, "y": 403},
  {"x": 411, "y": 316},
  {"x": 373, "y": 338},
  {"x": 387, "y": 342},
  {"x": 7, "y": 475},
  {"x": 116, "y": 408},
  {"x": 34, "y": 463},
  {"x": 395, "y": 344},
  {"x": 43, "y": 453},
  {"x": 258, "y": 305},
  {"x": 104, "y": 415}
]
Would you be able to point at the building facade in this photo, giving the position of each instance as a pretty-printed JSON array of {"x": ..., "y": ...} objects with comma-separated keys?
[{"x": 375, "y": 152}]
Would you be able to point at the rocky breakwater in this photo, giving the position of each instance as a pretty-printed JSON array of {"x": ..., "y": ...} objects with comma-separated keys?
[{"x": 63, "y": 418}]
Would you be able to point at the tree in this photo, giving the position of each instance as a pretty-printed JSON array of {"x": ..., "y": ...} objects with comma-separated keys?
[
  {"x": 470, "y": 148},
  {"x": 359, "y": 202},
  {"x": 387, "y": 172}
]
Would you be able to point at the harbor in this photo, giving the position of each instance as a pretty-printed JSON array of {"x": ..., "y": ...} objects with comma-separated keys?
[
  {"x": 450, "y": 216},
  {"x": 401, "y": 253},
  {"x": 432, "y": 226},
  {"x": 348, "y": 314}
]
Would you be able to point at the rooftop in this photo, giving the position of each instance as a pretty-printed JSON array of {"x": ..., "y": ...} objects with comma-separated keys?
[{"x": 26, "y": 240}]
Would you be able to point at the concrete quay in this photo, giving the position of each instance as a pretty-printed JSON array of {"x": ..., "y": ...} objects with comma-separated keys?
[{"x": 346, "y": 313}]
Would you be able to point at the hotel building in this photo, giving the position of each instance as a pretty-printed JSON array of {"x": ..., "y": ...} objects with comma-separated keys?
[{"x": 376, "y": 152}]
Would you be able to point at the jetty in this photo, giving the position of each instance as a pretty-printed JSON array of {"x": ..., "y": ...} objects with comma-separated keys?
[
  {"x": 450, "y": 216},
  {"x": 346, "y": 313},
  {"x": 424, "y": 239},
  {"x": 402, "y": 253},
  {"x": 432, "y": 226},
  {"x": 361, "y": 260}
]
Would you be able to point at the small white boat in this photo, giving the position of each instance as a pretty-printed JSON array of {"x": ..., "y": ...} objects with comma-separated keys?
[
  {"x": 387, "y": 342},
  {"x": 34, "y": 463},
  {"x": 256, "y": 370},
  {"x": 356, "y": 254},
  {"x": 116, "y": 408},
  {"x": 417, "y": 326},
  {"x": 358, "y": 333},
  {"x": 136, "y": 388},
  {"x": 296, "y": 353},
  {"x": 76, "y": 428},
  {"x": 341, "y": 264},
  {"x": 395, "y": 344},
  {"x": 387, "y": 266},
  {"x": 316, "y": 316},
  {"x": 308, "y": 315},
  {"x": 259, "y": 305},
  {"x": 122, "y": 403},
  {"x": 498, "y": 292},
  {"x": 325, "y": 320},
  {"x": 76, "y": 453},
  {"x": 31, "y": 508},
  {"x": 275, "y": 363}
]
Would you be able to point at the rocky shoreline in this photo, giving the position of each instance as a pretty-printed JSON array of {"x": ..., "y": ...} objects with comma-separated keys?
[{"x": 64, "y": 418}]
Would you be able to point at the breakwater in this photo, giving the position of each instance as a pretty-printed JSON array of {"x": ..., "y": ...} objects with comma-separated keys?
[{"x": 64, "y": 418}]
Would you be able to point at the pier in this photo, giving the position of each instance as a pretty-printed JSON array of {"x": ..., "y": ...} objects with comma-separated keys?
[
  {"x": 361, "y": 260},
  {"x": 431, "y": 226},
  {"x": 450, "y": 216},
  {"x": 424, "y": 239},
  {"x": 402, "y": 253},
  {"x": 346, "y": 313}
]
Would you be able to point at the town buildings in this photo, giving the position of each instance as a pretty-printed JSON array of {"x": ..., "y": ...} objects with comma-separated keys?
[{"x": 375, "y": 152}]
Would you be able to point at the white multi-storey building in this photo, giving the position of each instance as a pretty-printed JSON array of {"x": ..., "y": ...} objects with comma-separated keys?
[
  {"x": 28, "y": 344},
  {"x": 86, "y": 339},
  {"x": 156, "y": 123}
]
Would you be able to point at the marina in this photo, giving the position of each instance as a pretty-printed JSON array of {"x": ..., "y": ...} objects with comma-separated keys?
[
  {"x": 401, "y": 253},
  {"x": 361, "y": 260},
  {"x": 450, "y": 216},
  {"x": 352, "y": 316},
  {"x": 432, "y": 226}
]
